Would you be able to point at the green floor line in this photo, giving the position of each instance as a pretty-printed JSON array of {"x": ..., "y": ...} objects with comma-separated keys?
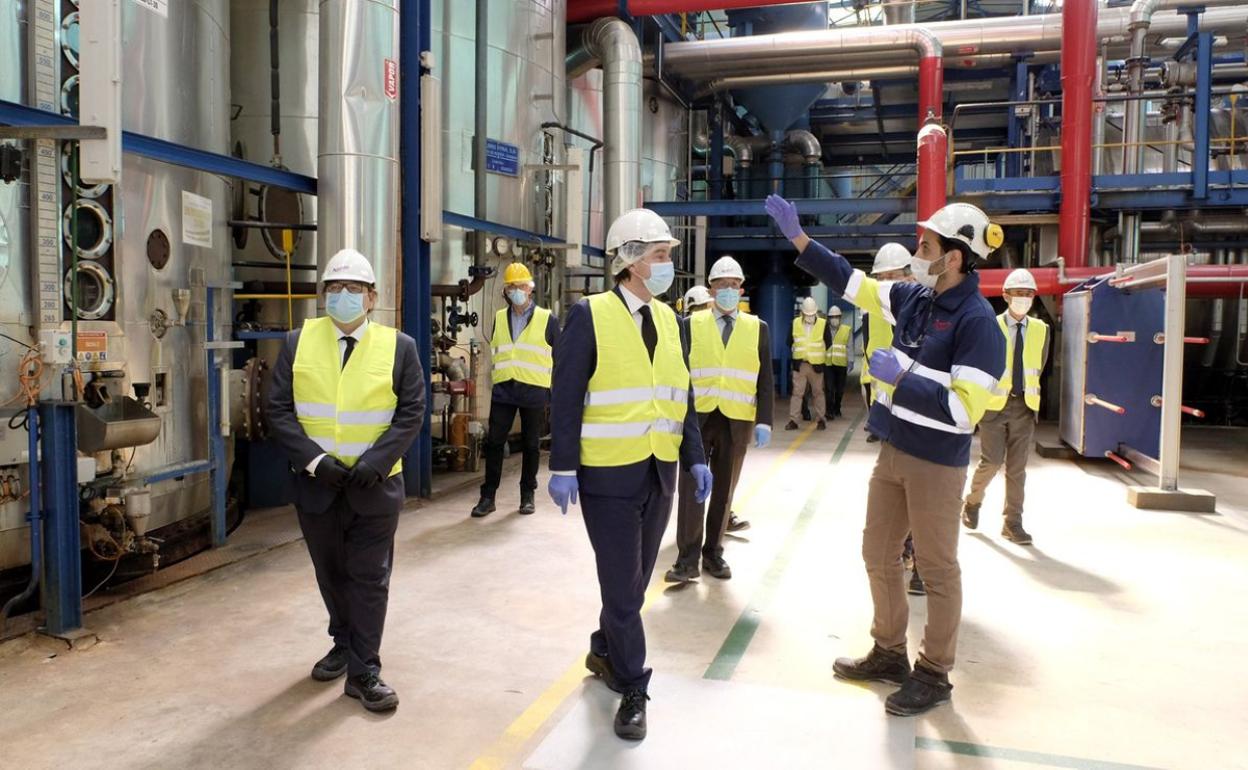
[
  {"x": 1018, "y": 755},
  {"x": 742, "y": 633}
]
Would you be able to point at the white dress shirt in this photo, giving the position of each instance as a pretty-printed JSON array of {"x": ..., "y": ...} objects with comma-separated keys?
[
  {"x": 634, "y": 304},
  {"x": 358, "y": 335},
  {"x": 720, "y": 315}
]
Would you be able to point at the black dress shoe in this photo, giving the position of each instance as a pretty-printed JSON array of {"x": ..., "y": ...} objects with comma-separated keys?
[
  {"x": 484, "y": 507},
  {"x": 600, "y": 666},
  {"x": 332, "y": 666},
  {"x": 682, "y": 573},
  {"x": 821, "y": 425},
  {"x": 872, "y": 438},
  {"x": 371, "y": 692},
  {"x": 630, "y": 720},
  {"x": 526, "y": 503},
  {"x": 716, "y": 567},
  {"x": 737, "y": 525},
  {"x": 923, "y": 691},
  {"x": 791, "y": 425},
  {"x": 879, "y": 665},
  {"x": 916, "y": 587}
]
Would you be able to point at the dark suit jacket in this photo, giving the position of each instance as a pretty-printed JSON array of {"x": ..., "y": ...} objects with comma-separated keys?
[
  {"x": 576, "y": 358},
  {"x": 311, "y": 495},
  {"x": 765, "y": 393}
]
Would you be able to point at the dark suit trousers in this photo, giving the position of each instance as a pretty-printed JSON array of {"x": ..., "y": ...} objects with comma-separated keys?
[
  {"x": 625, "y": 533},
  {"x": 501, "y": 418},
  {"x": 834, "y": 380},
  {"x": 725, "y": 442},
  {"x": 353, "y": 555}
]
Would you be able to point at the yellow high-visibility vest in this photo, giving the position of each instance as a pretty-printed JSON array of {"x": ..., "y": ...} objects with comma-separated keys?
[
  {"x": 1033, "y": 362},
  {"x": 809, "y": 346},
  {"x": 526, "y": 360},
  {"x": 345, "y": 409},
  {"x": 725, "y": 378},
  {"x": 839, "y": 354},
  {"x": 634, "y": 408},
  {"x": 880, "y": 334}
]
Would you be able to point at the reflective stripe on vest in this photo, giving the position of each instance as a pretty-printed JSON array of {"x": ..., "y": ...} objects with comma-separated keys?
[
  {"x": 634, "y": 409},
  {"x": 1033, "y": 349},
  {"x": 725, "y": 378},
  {"x": 809, "y": 346},
  {"x": 526, "y": 360},
  {"x": 344, "y": 410},
  {"x": 839, "y": 354}
]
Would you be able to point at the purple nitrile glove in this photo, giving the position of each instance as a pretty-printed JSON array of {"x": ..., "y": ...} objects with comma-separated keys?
[
  {"x": 563, "y": 491},
  {"x": 885, "y": 367},
  {"x": 702, "y": 475},
  {"x": 784, "y": 214}
]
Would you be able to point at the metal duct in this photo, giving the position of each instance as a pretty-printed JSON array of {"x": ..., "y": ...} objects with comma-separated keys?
[
  {"x": 741, "y": 149},
  {"x": 898, "y": 11},
  {"x": 358, "y": 139},
  {"x": 805, "y": 144},
  {"x": 612, "y": 43}
]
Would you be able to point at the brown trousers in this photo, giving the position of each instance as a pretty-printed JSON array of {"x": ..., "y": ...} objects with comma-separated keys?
[
  {"x": 909, "y": 495},
  {"x": 1005, "y": 437},
  {"x": 804, "y": 374}
]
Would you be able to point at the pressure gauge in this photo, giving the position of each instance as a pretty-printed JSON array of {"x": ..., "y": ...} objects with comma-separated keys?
[{"x": 502, "y": 245}]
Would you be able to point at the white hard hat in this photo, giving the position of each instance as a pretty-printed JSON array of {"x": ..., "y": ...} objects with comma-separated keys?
[
  {"x": 891, "y": 256},
  {"x": 835, "y": 311},
  {"x": 638, "y": 225},
  {"x": 698, "y": 295},
  {"x": 966, "y": 223},
  {"x": 1020, "y": 279},
  {"x": 726, "y": 267},
  {"x": 809, "y": 306},
  {"x": 349, "y": 265}
]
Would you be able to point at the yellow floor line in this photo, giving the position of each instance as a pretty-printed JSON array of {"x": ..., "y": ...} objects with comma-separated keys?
[{"x": 532, "y": 718}]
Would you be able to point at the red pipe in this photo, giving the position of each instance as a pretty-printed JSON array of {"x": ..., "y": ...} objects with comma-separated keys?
[
  {"x": 1047, "y": 282},
  {"x": 1078, "y": 79},
  {"x": 933, "y": 141},
  {"x": 588, "y": 10}
]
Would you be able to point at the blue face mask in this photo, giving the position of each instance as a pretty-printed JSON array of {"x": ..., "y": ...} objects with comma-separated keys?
[
  {"x": 344, "y": 307},
  {"x": 727, "y": 299},
  {"x": 661, "y": 276},
  {"x": 517, "y": 297}
]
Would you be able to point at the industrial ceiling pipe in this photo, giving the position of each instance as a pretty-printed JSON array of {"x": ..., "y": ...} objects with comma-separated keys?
[
  {"x": 588, "y": 10},
  {"x": 1204, "y": 280},
  {"x": 612, "y": 44},
  {"x": 1079, "y": 77}
]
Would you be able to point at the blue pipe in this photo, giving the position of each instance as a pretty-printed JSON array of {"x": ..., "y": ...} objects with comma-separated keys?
[{"x": 35, "y": 517}]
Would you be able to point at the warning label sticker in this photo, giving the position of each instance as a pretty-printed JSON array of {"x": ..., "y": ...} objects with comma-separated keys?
[
  {"x": 392, "y": 79},
  {"x": 196, "y": 220}
]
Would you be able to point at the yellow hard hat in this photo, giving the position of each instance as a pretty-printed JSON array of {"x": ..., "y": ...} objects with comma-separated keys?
[{"x": 516, "y": 272}]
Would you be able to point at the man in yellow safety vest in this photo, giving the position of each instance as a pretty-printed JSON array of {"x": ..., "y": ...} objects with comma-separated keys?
[
  {"x": 622, "y": 414},
  {"x": 346, "y": 402},
  {"x": 522, "y": 349},
  {"x": 1006, "y": 432},
  {"x": 840, "y": 359},
  {"x": 730, "y": 365},
  {"x": 810, "y": 339}
]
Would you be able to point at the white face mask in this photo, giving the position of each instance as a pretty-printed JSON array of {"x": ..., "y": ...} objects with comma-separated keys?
[
  {"x": 1020, "y": 306},
  {"x": 922, "y": 270}
]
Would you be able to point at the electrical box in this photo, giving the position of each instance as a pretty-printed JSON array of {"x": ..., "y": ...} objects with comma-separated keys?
[
  {"x": 99, "y": 89},
  {"x": 56, "y": 347},
  {"x": 430, "y": 159},
  {"x": 574, "y": 206}
]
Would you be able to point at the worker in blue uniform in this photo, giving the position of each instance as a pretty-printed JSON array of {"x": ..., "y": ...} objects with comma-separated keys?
[
  {"x": 521, "y": 347},
  {"x": 622, "y": 415},
  {"x": 346, "y": 402},
  {"x": 933, "y": 386}
]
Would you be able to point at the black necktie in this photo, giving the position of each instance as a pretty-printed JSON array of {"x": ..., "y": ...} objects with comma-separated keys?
[
  {"x": 346, "y": 356},
  {"x": 1017, "y": 387},
  {"x": 648, "y": 333},
  {"x": 727, "y": 329}
]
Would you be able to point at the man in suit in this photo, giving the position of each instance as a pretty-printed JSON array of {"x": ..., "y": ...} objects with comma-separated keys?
[
  {"x": 346, "y": 402},
  {"x": 730, "y": 364},
  {"x": 522, "y": 344},
  {"x": 622, "y": 414}
]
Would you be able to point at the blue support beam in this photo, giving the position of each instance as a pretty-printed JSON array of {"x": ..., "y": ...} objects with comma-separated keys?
[
  {"x": 414, "y": 38},
  {"x": 62, "y": 555},
  {"x": 1014, "y": 128},
  {"x": 1204, "y": 84},
  {"x": 12, "y": 114},
  {"x": 754, "y": 207}
]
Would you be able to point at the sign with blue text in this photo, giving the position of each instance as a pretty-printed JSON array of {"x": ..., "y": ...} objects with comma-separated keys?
[{"x": 502, "y": 158}]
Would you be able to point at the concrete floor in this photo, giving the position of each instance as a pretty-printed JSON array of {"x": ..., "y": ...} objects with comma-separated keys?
[{"x": 1115, "y": 642}]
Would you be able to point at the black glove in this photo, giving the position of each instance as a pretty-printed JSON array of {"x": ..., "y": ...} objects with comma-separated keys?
[
  {"x": 331, "y": 472},
  {"x": 364, "y": 476}
]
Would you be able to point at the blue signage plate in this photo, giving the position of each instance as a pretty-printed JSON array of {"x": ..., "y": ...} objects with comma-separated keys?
[{"x": 502, "y": 158}]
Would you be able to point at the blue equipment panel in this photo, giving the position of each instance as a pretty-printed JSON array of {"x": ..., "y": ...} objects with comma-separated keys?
[{"x": 502, "y": 158}]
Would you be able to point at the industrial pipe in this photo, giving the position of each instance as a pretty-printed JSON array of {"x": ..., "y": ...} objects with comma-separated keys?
[
  {"x": 588, "y": 10},
  {"x": 1079, "y": 77},
  {"x": 613, "y": 44},
  {"x": 1202, "y": 280},
  {"x": 805, "y": 144},
  {"x": 933, "y": 148}
]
